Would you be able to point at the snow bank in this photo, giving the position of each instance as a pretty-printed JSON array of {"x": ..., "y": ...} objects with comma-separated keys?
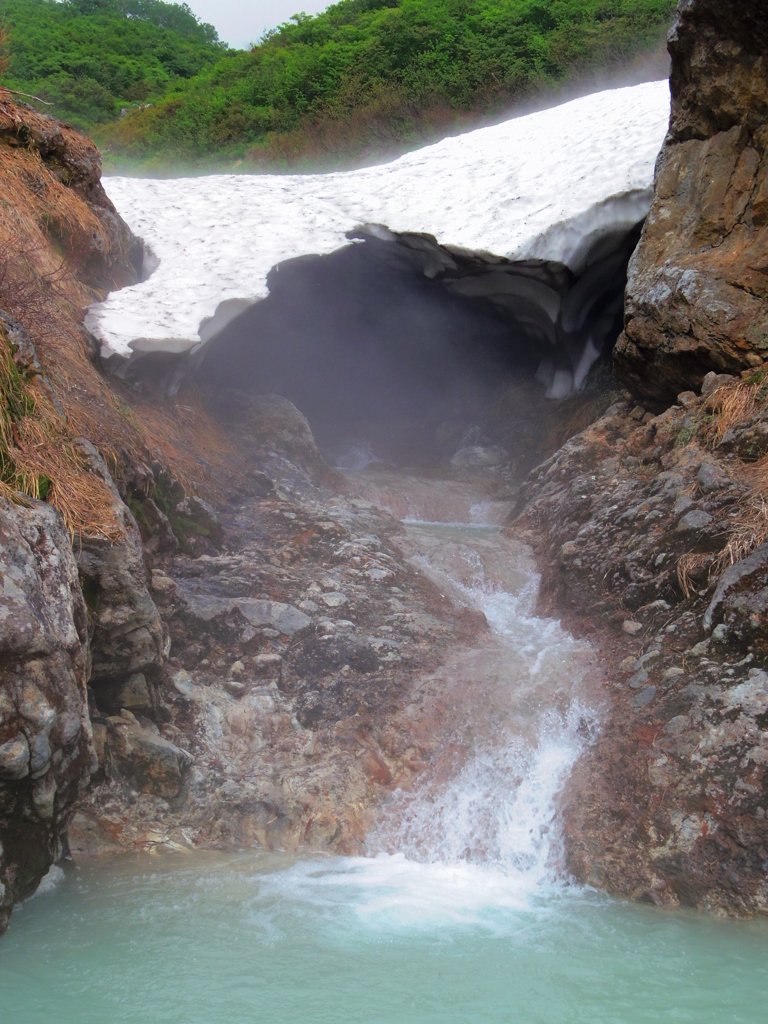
[{"x": 540, "y": 185}]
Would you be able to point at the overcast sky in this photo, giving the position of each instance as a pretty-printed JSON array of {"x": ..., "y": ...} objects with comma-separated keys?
[{"x": 240, "y": 22}]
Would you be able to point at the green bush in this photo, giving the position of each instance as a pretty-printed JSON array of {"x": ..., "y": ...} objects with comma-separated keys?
[{"x": 90, "y": 58}]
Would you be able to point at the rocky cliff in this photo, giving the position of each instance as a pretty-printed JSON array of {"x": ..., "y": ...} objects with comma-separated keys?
[
  {"x": 46, "y": 752},
  {"x": 698, "y": 282},
  {"x": 265, "y": 674},
  {"x": 651, "y": 525},
  {"x": 71, "y": 615}
]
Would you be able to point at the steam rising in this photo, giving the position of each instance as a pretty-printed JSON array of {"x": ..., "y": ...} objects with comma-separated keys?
[{"x": 392, "y": 342}]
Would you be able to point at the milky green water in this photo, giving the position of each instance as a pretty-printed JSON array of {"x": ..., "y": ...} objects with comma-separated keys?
[{"x": 224, "y": 939}]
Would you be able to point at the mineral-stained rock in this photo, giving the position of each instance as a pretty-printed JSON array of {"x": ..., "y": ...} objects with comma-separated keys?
[
  {"x": 45, "y": 735},
  {"x": 151, "y": 763},
  {"x": 697, "y": 296},
  {"x": 127, "y": 632},
  {"x": 669, "y": 803}
]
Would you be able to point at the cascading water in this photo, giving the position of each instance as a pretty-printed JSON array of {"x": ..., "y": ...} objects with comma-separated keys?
[
  {"x": 483, "y": 818},
  {"x": 460, "y": 914}
]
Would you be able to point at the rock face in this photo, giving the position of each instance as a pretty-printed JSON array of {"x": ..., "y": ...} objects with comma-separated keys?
[
  {"x": 127, "y": 632},
  {"x": 652, "y": 534},
  {"x": 295, "y": 696},
  {"x": 46, "y": 752},
  {"x": 697, "y": 297}
]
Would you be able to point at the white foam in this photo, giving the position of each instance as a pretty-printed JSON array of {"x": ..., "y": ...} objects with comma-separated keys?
[
  {"x": 540, "y": 185},
  {"x": 50, "y": 881},
  {"x": 479, "y": 836},
  {"x": 395, "y": 891}
]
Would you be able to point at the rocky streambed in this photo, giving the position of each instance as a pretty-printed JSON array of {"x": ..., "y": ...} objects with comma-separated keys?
[
  {"x": 292, "y": 693},
  {"x": 211, "y": 638}
]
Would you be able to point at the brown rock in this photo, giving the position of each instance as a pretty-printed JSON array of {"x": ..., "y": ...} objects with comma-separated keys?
[{"x": 697, "y": 298}]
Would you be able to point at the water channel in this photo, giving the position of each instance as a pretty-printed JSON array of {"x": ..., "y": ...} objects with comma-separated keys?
[{"x": 461, "y": 912}]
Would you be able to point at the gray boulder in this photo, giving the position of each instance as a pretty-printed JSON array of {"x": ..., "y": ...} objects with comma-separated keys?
[
  {"x": 46, "y": 750},
  {"x": 151, "y": 763}
]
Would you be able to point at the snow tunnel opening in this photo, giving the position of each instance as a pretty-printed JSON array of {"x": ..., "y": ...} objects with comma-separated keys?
[{"x": 396, "y": 348}]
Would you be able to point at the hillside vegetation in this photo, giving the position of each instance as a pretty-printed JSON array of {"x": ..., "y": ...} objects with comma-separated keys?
[
  {"x": 363, "y": 79},
  {"x": 92, "y": 58}
]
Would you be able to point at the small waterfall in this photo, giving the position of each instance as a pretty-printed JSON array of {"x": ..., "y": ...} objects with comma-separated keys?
[
  {"x": 521, "y": 726},
  {"x": 478, "y": 834}
]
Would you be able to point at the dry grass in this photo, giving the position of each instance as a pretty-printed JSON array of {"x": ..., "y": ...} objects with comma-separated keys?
[
  {"x": 694, "y": 570},
  {"x": 198, "y": 449},
  {"x": 734, "y": 404},
  {"x": 730, "y": 406},
  {"x": 47, "y": 230},
  {"x": 40, "y": 458}
]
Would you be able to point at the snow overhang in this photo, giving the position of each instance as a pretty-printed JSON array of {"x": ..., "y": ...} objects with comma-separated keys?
[{"x": 548, "y": 186}]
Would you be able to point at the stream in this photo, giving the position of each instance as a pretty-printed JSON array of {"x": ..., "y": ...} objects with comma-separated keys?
[{"x": 461, "y": 911}]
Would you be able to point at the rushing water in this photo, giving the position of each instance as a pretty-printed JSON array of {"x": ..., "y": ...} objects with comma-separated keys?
[{"x": 461, "y": 913}]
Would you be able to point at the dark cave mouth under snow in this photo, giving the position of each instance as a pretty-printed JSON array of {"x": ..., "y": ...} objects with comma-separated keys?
[{"x": 398, "y": 348}]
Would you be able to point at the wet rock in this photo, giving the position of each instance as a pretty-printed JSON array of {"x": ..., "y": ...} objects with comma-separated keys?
[{"x": 46, "y": 753}]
